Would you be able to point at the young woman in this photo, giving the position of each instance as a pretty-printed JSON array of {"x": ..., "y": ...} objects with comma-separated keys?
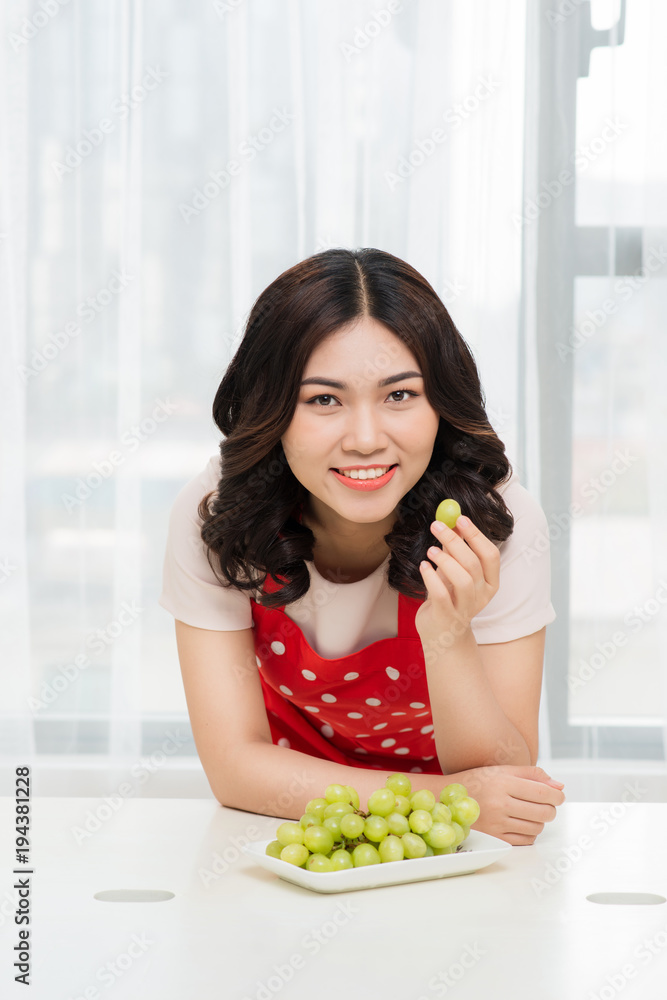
[{"x": 328, "y": 628}]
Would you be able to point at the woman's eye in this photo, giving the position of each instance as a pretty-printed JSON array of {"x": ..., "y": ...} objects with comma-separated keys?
[{"x": 317, "y": 400}]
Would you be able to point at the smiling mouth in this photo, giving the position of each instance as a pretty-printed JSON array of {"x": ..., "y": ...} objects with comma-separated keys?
[{"x": 373, "y": 473}]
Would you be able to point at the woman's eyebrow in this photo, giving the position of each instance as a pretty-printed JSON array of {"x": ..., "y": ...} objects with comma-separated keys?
[{"x": 317, "y": 380}]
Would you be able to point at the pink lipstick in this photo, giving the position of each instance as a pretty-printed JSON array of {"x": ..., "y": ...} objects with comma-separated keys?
[{"x": 365, "y": 485}]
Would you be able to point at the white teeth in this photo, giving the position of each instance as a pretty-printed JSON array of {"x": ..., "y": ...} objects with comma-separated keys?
[{"x": 367, "y": 473}]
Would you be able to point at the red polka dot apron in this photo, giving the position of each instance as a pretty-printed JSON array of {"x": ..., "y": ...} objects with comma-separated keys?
[{"x": 369, "y": 709}]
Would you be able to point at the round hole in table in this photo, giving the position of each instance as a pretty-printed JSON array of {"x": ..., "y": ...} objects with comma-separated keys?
[
  {"x": 133, "y": 895},
  {"x": 627, "y": 898}
]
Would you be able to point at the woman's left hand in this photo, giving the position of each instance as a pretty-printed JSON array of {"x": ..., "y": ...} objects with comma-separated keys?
[{"x": 465, "y": 579}]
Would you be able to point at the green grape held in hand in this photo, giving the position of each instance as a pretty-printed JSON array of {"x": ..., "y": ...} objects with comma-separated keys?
[{"x": 448, "y": 512}]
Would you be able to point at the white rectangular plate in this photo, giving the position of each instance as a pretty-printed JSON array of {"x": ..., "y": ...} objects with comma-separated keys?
[{"x": 478, "y": 851}]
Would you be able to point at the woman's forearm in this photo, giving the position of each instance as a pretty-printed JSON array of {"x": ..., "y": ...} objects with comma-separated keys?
[
  {"x": 471, "y": 729},
  {"x": 277, "y": 781}
]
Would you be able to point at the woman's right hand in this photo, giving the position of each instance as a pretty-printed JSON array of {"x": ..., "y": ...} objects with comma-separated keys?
[{"x": 515, "y": 800}]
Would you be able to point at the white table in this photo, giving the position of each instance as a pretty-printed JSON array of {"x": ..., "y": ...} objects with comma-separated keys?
[{"x": 521, "y": 928}]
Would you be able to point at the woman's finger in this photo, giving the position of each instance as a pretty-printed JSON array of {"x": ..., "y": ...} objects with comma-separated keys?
[
  {"x": 456, "y": 546},
  {"x": 453, "y": 574},
  {"x": 472, "y": 550},
  {"x": 485, "y": 550},
  {"x": 525, "y": 826},
  {"x": 436, "y": 587},
  {"x": 535, "y": 791},
  {"x": 519, "y": 839},
  {"x": 535, "y": 812}
]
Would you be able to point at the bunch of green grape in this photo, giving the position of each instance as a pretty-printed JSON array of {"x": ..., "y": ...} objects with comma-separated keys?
[{"x": 334, "y": 833}]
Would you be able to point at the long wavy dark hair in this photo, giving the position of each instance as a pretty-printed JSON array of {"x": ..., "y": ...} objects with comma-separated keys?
[{"x": 250, "y": 521}]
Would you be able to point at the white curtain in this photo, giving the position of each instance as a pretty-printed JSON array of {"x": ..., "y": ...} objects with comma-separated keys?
[
  {"x": 161, "y": 163},
  {"x": 617, "y": 346}
]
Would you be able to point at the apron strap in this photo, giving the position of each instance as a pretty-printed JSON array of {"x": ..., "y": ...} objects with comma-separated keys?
[{"x": 407, "y": 609}]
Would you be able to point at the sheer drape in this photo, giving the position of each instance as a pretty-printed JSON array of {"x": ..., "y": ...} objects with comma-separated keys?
[{"x": 598, "y": 235}]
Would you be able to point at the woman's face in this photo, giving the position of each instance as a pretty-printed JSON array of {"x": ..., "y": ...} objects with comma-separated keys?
[{"x": 362, "y": 424}]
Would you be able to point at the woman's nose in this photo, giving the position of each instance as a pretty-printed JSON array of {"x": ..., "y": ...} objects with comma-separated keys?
[{"x": 365, "y": 431}]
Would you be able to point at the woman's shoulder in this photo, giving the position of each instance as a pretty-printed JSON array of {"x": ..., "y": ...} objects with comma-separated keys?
[
  {"x": 191, "y": 590},
  {"x": 188, "y": 498},
  {"x": 530, "y": 530},
  {"x": 521, "y": 502},
  {"x": 522, "y": 604}
]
